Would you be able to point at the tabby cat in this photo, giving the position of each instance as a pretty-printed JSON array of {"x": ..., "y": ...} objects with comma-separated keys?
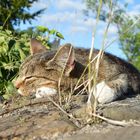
[{"x": 41, "y": 72}]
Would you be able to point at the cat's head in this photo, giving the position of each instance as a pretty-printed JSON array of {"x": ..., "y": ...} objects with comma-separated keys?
[{"x": 40, "y": 72}]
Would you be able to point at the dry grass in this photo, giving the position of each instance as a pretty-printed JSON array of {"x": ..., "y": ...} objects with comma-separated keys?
[{"x": 59, "y": 82}]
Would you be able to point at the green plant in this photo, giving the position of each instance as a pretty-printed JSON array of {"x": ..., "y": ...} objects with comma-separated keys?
[
  {"x": 45, "y": 35},
  {"x": 129, "y": 36},
  {"x": 13, "y": 51}
]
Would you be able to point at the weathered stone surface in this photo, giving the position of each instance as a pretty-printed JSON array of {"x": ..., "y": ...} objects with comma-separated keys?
[
  {"x": 125, "y": 133},
  {"x": 33, "y": 121},
  {"x": 41, "y": 119},
  {"x": 123, "y": 110}
]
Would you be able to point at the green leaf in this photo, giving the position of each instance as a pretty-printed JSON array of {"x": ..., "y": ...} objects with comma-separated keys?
[
  {"x": 22, "y": 54},
  {"x": 8, "y": 32},
  {"x": 0, "y": 73},
  {"x": 58, "y": 34},
  {"x": 2, "y": 39},
  {"x": 52, "y": 32},
  {"x": 42, "y": 29},
  {"x": 9, "y": 87},
  {"x": 11, "y": 43}
]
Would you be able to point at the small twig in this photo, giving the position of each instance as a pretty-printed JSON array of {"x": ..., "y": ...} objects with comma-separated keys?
[
  {"x": 78, "y": 86},
  {"x": 62, "y": 73},
  {"x": 114, "y": 122}
]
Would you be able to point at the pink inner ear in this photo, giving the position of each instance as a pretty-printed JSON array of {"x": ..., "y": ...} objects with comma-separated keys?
[
  {"x": 72, "y": 65},
  {"x": 71, "y": 61}
]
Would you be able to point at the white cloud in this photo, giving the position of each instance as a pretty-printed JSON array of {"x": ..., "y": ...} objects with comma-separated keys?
[
  {"x": 112, "y": 31},
  {"x": 75, "y": 29},
  {"x": 70, "y": 4},
  {"x": 58, "y": 17},
  {"x": 137, "y": 7},
  {"x": 90, "y": 22},
  {"x": 41, "y": 4},
  {"x": 69, "y": 13},
  {"x": 129, "y": 1},
  {"x": 134, "y": 11},
  {"x": 77, "y": 23}
]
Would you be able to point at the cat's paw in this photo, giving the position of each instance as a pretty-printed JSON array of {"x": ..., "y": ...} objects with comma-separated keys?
[{"x": 104, "y": 94}]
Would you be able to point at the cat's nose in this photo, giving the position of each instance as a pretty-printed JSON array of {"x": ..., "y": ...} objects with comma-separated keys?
[{"x": 17, "y": 84}]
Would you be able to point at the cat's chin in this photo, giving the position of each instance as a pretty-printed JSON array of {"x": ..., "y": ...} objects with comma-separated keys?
[{"x": 45, "y": 91}]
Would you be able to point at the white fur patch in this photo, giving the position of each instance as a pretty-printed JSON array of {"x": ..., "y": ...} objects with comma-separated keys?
[
  {"x": 20, "y": 92},
  {"x": 45, "y": 91},
  {"x": 104, "y": 94}
]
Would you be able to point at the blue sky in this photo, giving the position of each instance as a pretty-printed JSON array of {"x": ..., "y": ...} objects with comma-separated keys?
[{"x": 67, "y": 17}]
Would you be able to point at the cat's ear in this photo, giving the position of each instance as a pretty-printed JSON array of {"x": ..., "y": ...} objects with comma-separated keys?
[
  {"x": 64, "y": 59},
  {"x": 36, "y": 46}
]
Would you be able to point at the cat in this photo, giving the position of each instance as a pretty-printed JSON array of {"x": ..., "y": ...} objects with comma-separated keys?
[{"x": 41, "y": 72}]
